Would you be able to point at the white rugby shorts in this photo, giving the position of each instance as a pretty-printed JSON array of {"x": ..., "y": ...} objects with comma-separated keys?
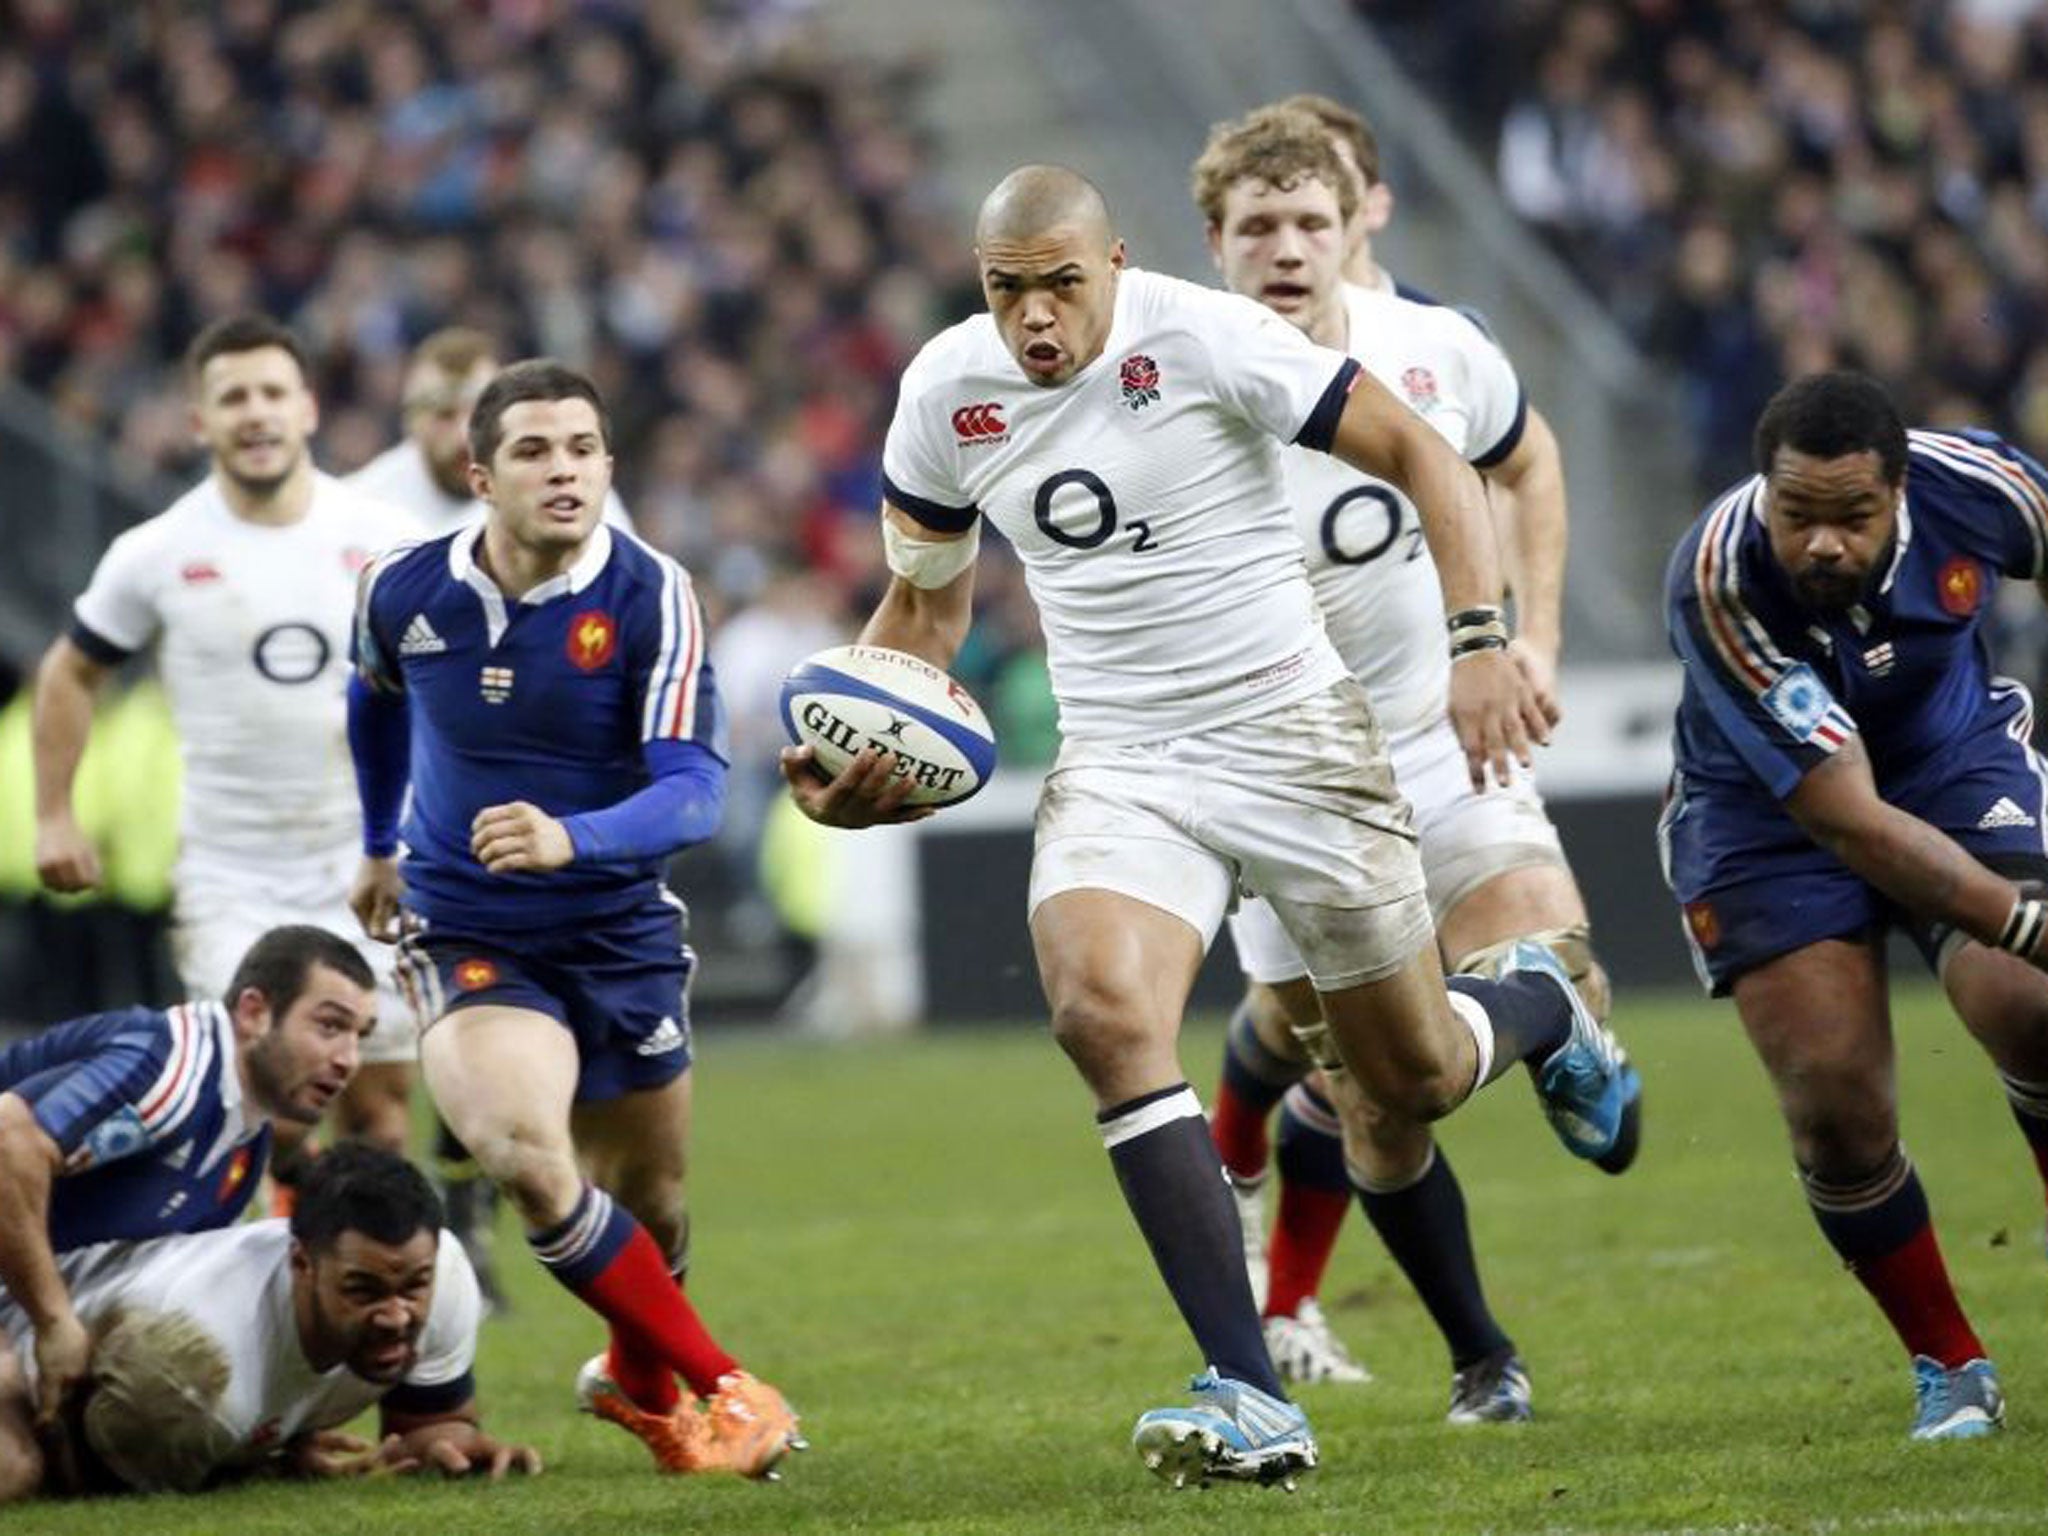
[
  {"x": 1466, "y": 838},
  {"x": 1297, "y": 806},
  {"x": 222, "y": 908}
]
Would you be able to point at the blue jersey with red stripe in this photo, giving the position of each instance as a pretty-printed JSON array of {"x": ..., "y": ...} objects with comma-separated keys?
[
  {"x": 1773, "y": 689},
  {"x": 553, "y": 698},
  {"x": 146, "y": 1108}
]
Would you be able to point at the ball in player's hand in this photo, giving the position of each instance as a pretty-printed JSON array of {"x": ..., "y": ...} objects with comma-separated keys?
[{"x": 853, "y": 696}]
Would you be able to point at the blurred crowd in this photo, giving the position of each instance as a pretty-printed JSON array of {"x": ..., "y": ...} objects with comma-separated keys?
[
  {"x": 1760, "y": 188},
  {"x": 736, "y": 229}
]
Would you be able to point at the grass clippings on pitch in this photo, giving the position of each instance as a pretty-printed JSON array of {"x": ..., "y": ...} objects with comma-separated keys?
[{"x": 921, "y": 1243}]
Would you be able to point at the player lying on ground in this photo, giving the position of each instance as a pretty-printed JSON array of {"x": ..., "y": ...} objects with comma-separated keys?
[
  {"x": 143, "y": 1122},
  {"x": 242, "y": 1351}
]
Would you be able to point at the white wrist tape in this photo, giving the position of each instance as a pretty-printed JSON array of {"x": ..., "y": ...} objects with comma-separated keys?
[{"x": 928, "y": 563}]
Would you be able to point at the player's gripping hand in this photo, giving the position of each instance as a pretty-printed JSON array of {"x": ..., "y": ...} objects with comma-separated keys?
[
  {"x": 63, "y": 1354},
  {"x": 866, "y": 793},
  {"x": 1496, "y": 714},
  {"x": 331, "y": 1453},
  {"x": 458, "y": 1448},
  {"x": 65, "y": 857},
  {"x": 505, "y": 838},
  {"x": 374, "y": 898}
]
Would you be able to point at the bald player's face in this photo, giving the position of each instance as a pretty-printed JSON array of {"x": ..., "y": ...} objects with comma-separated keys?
[{"x": 1053, "y": 297}]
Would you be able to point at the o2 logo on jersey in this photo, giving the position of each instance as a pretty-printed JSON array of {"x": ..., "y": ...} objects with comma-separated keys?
[
  {"x": 593, "y": 636},
  {"x": 1094, "y": 525},
  {"x": 1341, "y": 531},
  {"x": 1961, "y": 587},
  {"x": 292, "y": 653},
  {"x": 978, "y": 426}
]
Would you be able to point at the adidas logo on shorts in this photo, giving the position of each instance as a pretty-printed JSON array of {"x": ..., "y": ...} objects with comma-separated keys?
[
  {"x": 419, "y": 638},
  {"x": 2004, "y": 813},
  {"x": 666, "y": 1037}
]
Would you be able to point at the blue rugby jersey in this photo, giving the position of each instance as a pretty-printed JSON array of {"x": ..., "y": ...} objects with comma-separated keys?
[
  {"x": 1773, "y": 689},
  {"x": 553, "y": 699},
  {"x": 146, "y": 1107}
]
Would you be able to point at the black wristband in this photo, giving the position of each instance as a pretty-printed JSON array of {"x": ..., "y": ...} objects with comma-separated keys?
[
  {"x": 1474, "y": 618},
  {"x": 2022, "y": 929},
  {"x": 1473, "y": 644}
]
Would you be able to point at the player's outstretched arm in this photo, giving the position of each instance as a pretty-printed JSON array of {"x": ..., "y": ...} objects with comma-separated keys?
[
  {"x": 29, "y": 1160},
  {"x": 1527, "y": 492},
  {"x": 1493, "y": 707},
  {"x": 1915, "y": 864},
  {"x": 67, "y": 684}
]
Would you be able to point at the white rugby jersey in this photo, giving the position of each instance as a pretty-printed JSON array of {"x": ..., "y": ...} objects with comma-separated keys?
[
  {"x": 399, "y": 476},
  {"x": 1145, "y": 498},
  {"x": 236, "y": 1284},
  {"x": 251, "y": 623},
  {"x": 1366, "y": 555}
]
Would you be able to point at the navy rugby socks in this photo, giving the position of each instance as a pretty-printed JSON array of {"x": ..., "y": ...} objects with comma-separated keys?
[
  {"x": 1174, "y": 1185},
  {"x": 1424, "y": 1227}
]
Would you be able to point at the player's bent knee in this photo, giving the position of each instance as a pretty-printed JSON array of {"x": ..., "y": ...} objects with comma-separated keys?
[
  {"x": 1100, "y": 1031},
  {"x": 1841, "y": 1141},
  {"x": 1411, "y": 1092}
]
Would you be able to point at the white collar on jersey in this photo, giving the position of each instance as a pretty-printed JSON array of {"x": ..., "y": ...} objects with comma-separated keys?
[
  {"x": 463, "y": 567},
  {"x": 1904, "y": 537}
]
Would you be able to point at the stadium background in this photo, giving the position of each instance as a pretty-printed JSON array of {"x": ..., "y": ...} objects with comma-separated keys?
[{"x": 744, "y": 217}]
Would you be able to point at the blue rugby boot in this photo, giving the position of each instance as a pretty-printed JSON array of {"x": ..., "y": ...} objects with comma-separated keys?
[
  {"x": 1591, "y": 1095},
  {"x": 1230, "y": 1431},
  {"x": 1959, "y": 1404},
  {"x": 1492, "y": 1391}
]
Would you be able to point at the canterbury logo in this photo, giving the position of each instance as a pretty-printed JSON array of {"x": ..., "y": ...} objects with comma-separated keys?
[{"x": 977, "y": 423}]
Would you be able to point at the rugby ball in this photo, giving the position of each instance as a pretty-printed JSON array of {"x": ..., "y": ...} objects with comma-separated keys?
[{"x": 851, "y": 696}]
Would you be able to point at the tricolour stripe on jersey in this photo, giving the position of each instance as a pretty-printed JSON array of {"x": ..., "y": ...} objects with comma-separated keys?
[
  {"x": 1742, "y": 643},
  {"x": 371, "y": 662},
  {"x": 1991, "y": 468},
  {"x": 671, "y": 708},
  {"x": 177, "y": 1087}
]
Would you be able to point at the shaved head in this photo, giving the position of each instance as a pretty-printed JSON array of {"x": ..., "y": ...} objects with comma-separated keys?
[{"x": 1034, "y": 200}]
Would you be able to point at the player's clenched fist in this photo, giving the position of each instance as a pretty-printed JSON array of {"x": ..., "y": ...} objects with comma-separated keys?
[
  {"x": 65, "y": 857},
  {"x": 374, "y": 898},
  {"x": 505, "y": 838}
]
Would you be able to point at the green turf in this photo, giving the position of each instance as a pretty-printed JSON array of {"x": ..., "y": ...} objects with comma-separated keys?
[{"x": 922, "y": 1244}]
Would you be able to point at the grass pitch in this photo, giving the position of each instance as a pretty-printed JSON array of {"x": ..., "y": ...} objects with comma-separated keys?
[{"x": 921, "y": 1243}]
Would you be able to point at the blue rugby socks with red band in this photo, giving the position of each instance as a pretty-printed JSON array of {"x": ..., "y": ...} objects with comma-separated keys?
[
  {"x": 1254, "y": 1078},
  {"x": 1174, "y": 1185},
  {"x": 607, "y": 1258},
  {"x": 1880, "y": 1226},
  {"x": 1315, "y": 1196}
]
